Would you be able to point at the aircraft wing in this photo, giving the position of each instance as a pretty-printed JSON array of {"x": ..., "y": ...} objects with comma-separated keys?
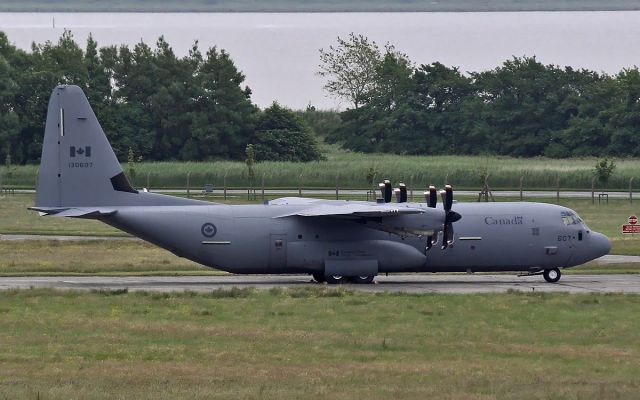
[
  {"x": 353, "y": 210},
  {"x": 76, "y": 212}
]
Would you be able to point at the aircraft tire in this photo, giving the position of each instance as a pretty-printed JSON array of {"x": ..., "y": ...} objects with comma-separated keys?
[
  {"x": 334, "y": 279},
  {"x": 362, "y": 280},
  {"x": 318, "y": 277},
  {"x": 552, "y": 275}
]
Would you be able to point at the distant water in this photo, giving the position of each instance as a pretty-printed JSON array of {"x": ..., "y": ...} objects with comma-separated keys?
[{"x": 278, "y": 53}]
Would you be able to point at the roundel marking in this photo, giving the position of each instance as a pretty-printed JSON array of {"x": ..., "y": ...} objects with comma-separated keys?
[{"x": 208, "y": 230}]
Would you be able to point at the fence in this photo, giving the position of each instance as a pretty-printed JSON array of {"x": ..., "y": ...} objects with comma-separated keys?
[{"x": 203, "y": 185}]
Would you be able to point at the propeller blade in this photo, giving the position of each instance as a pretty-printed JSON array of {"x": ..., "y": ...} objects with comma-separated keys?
[
  {"x": 447, "y": 236},
  {"x": 445, "y": 233},
  {"x": 432, "y": 200},
  {"x": 429, "y": 242},
  {"x": 382, "y": 189},
  {"x": 398, "y": 195},
  {"x": 448, "y": 197},
  {"x": 433, "y": 197},
  {"x": 403, "y": 193},
  {"x": 387, "y": 191}
]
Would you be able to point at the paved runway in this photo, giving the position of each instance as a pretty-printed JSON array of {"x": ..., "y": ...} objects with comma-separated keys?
[{"x": 407, "y": 283}]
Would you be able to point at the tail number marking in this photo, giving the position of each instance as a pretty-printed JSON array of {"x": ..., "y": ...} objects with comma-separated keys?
[{"x": 81, "y": 165}]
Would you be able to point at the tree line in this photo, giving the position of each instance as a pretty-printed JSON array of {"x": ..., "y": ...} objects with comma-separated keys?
[
  {"x": 521, "y": 108},
  {"x": 156, "y": 106},
  {"x": 150, "y": 103}
]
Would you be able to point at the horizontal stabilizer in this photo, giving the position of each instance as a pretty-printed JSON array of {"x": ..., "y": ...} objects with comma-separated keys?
[{"x": 74, "y": 212}]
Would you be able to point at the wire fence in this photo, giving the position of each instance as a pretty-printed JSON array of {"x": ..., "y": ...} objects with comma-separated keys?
[{"x": 260, "y": 188}]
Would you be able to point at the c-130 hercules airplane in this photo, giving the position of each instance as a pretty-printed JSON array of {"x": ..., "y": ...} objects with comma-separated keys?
[{"x": 334, "y": 240}]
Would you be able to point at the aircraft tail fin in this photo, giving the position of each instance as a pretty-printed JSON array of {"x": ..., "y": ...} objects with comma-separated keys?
[{"x": 78, "y": 167}]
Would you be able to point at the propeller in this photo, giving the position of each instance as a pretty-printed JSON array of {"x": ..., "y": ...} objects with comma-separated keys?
[
  {"x": 431, "y": 198},
  {"x": 382, "y": 190},
  {"x": 450, "y": 216}
]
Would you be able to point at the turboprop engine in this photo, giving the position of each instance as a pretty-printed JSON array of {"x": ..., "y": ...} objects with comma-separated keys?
[{"x": 424, "y": 225}]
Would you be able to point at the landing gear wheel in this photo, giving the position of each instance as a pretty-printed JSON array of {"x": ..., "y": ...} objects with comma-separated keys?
[
  {"x": 318, "y": 277},
  {"x": 552, "y": 275},
  {"x": 334, "y": 279},
  {"x": 363, "y": 280}
]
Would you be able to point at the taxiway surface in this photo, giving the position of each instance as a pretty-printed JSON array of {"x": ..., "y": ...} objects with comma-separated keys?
[{"x": 407, "y": 283}]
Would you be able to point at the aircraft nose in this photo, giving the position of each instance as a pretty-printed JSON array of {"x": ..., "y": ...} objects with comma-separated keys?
[{"x": 600, "y": 246}]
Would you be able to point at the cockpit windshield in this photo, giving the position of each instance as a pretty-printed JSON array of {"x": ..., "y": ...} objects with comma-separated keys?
[{"x": 570, "y": 218}]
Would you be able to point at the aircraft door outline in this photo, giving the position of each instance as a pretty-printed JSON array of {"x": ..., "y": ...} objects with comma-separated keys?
[{"x": 277, "y": 250}]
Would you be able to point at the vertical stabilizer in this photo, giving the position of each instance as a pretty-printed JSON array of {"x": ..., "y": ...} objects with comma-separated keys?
[{"x": 78, "y": 167}]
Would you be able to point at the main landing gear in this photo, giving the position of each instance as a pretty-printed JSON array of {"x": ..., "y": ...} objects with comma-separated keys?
[
  {"x": 552, "y": 275},
  {"x": 337, "y": 279}
]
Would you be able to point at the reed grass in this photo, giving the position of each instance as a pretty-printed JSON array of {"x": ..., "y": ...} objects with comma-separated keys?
[{"x": 351, "y": 169}]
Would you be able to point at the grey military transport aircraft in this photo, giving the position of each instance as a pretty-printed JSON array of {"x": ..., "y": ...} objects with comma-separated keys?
[{"x": 333, "y": 240}]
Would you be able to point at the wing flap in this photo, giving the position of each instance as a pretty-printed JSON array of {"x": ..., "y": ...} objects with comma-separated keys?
[{"x": 353, "y": 210}]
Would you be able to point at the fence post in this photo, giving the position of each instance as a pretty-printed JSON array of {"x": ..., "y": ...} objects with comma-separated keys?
[
  {"x": 189, "y": 184},
  {"x": 373, "y": 187},
  {"x": 411, "y": 188},
  {"x": 558, "y": 190},
  {"x": 593, "y": 190},
  {"x": 631, "y": 190},
  {"x": 337, "y": 189},
  {"x": 521, "y": 180},
  {"x": 148, "y": 184},
  {"x": 224, "y": 185},
  {"x": 263, "y": 187},
  {"x": 300, "y": 185}
]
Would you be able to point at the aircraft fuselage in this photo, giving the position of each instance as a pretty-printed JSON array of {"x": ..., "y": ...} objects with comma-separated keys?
[{"x": 251, "y": 239}]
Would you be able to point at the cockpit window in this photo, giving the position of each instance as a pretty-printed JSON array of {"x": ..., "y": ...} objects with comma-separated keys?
[{"x": 570, "y": 218}]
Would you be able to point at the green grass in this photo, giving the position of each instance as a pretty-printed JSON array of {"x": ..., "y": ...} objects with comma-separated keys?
[
  {"x": 317, "y": 343},
  {"x": 351, "y": 169},
  {"x": 102, "y": 257}
]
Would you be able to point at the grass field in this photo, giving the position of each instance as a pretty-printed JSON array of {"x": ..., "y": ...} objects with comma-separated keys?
[
  {"x": 352, "y": 169},
  {"x": 317, "y": 343}
]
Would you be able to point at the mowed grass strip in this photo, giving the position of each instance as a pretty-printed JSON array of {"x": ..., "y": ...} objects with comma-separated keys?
[
  {"x": 317, "y": 343},
  {"x": 96, "y": 257},
  {"x": 127, "y": 257}
]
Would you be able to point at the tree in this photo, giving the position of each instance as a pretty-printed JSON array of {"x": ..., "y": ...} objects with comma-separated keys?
[
  {"x": 603, "y": 170},
  {"x": 9, "y": 119},
  {"x": 281, "y": 136},
  {"x": 250, "y": 161},
  {"x": 352, "y": 66},
  {"x": 223, "y": 115}
]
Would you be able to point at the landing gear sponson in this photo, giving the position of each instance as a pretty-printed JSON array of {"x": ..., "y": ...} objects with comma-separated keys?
[{"x": 337, "y": 279}]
